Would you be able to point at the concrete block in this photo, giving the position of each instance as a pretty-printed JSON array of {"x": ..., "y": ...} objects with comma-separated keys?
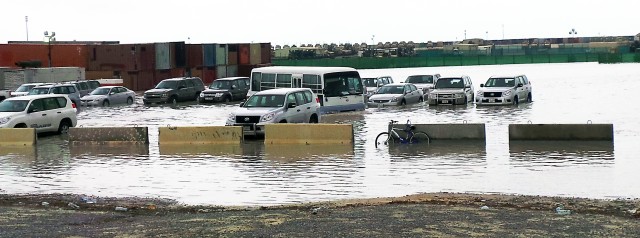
[
  {"x": 308, "y": 134},
  {"x": 18, "y": 137},
  {"x": 109, "y": 134},
  {"x": 561, "y": 132},
  {"x": 464, "y": 131},
  {"x": 200, "y": 135}
]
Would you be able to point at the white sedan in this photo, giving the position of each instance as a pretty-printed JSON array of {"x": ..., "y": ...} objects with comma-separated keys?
[{"x": 107, "y": 95}]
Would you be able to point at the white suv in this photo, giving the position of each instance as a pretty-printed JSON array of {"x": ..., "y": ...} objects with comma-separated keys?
[
  {"x": 504, "y": 90},
  {"x": 283, "y": 105},
  {"x": 45, "y": 113}
]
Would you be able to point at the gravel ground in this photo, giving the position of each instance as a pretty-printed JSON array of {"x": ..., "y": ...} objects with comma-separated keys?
[{"x": 421, "y": 215}]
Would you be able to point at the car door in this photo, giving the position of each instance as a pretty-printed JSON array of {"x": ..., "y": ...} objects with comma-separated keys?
[
  {"x": 37, "y": 117},
  {"x": 294, "y": 114},
  {"x": 183, "y": 91},
  {"x": 115, "y": 96}
]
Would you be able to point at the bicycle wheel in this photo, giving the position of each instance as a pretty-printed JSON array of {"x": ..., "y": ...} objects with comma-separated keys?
[
  {"x": 420, "y": 137},
  {"x": 383, "y": 139}
]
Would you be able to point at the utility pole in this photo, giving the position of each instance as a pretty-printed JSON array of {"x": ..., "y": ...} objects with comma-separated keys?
[{"x": 26, "y": 24}]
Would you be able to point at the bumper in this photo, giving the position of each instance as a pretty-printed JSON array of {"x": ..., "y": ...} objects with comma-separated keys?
[
  {"x": 495, "y": 101},
  {"x": 154, "y": 100},
  {"x": 90, "y": 103},
  {"x": 250, "y": 129},
  {"x": 445, "y": 101},
  {"x": 382, "y": 104},
  {"x": 210, "y": 99}
]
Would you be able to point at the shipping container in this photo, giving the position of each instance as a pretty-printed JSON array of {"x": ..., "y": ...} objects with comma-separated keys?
[
  {"x": 13, "y": 78},
  {"x": 233, "y": 54},
  {"x": 179, "y": 53},
  {"x": 243, "y": 54},
  {"x": 194, "y": 56},
  {"x": 221, "y": 54},
  {"x": 221, "y": 71},
  {"x": 112, "y": 57},
  {"x": 177, "y": 72},
  {"x": 196, "y": 72},
  {"x": 209, "y": 52},
  {"x": 146, "y": 56},
  {"x": 208, "y": 75},
  {"x": 103, "y": 74},
  {"x": 163, "y": 56},
  {"x": 266, "y": 53},
  {"x": 245, "y": 70},
  {"x": 255, "y": 54},
  {"x": 10, "y": 54},
  {"x": 232, "y": 70},
  {"x": 140, "y": 80}
]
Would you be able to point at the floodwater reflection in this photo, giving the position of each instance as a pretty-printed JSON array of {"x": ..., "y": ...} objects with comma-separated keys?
[
  {"x": 557, "y": 153},
  {"x": 194, "y": 150},
  {"x": 78, "y": 149},
  {"x": 295, "y": 152},
  {"x": 18, "y": 151},
  {"x": 464, "y": 148}
]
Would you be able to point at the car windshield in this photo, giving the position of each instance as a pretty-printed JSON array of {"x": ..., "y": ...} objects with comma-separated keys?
[
  {"x": 13, "y": 105},
  {"x": 94, "y": 84},
  {"x": 167, "y": 85},
  {"x": 265, "y": 101},
  {"x": 449, "y": 83},
  {"x": 24, "y": 88},
  {"x": 391, "y": 90},
  {"x": 220, "y": 84},
  {"x": 100, "y": 91},
  {"x": 420, "y": 79},
  {"x": 36, "y": 91},
  {"x": 370, "y": 82},
  {"x": 500, "y": 82}
]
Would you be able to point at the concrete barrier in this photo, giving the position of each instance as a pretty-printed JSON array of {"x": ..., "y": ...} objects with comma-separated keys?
[
  {"x": 18, "y": 137},
  {"x": 109, "y": 135},
  {"x": 561, "y": 132},
  {"x": 464, "y": 131},
  {"x": 308, "y": 134},
  {"x": 200, "y": 135}
]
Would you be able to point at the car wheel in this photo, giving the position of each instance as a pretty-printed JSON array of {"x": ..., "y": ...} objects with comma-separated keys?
[
  {"x": 173, "y": 100},
  {"x": 515, "y": 100},
  {"x": 129, "y": 100},
  {"x": 105, "y": 103},
  {"x": 529, "y": 98},
  {"x": 403, "y": 102},
  {"x": 227, "y": 99},
  {"x": 283, "y": 121},
  {"x": 64, "y": 127},
  {"x": 313, "y": 119},
  {"x": 421, "y": 99},
  {"x": 21, "y": 125},
  {"x": 466, "y": 100}
]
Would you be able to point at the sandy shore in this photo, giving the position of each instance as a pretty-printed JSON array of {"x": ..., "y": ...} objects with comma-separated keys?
[{"x": 420, "y": 215}]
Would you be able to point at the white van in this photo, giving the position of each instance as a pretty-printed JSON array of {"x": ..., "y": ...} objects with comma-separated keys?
[{"x": 339, "y": 89}]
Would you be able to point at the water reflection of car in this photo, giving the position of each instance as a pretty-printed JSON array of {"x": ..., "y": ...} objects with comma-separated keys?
[
  {"x": 45, "y": 113},
  {"x": 504, "y": 90},
  {"x": 452, "y": 90},
  {"x": 107, "y": 95},
  {"x": 372, "y": 84},
  {"x": 424, "y": 82},
  {"x": 226, "y": 90},
  {"x": 283, "y": 105},
  {"x": 396, "y": 94},
  {"x": 24, "y": 89},
  {"x": 174, "y": 90}
]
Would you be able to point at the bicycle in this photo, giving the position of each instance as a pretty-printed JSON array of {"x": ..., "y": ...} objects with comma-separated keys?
[{"x": 412, "y": 136}]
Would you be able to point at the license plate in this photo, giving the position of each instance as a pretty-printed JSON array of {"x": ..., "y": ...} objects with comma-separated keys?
[
  {"x": 246, "y": 128},
  {"x": 445, "y": 101},
  {"x": 492, "y": 100},
  {"x": 208, "y": 98}
]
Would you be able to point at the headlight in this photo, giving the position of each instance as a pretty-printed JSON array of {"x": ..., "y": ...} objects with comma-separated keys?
[
  {"x": 165, "y": 95},
  {"x": 201, "y": 95},
  {"x": 4, "y": 120},
  {"x": 479, "y": 92},
  {"x": 507, "y": 93},
  {"x": 268, "y": 116},
  {"x": 231, "y": 117},
  {"x": 459, "y": 95},
  {"x": 394, "y": 99}
]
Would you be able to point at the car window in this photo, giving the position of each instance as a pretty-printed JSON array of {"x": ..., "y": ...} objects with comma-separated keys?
[
  {"x": 190, "y": 83},
  {"x": 37, "y": 105},
  {"x": 55, "y": 90},
  {"x": 300, "y": 100},
  {"x": 84, "y": 86},
  {"x": 309, "y": 96},
  {"x": 50, "y": 103},
  {"x": 291, "y": 98},
  {"x": 197, "y": 82},
  {"x": 182, "y": 84},
  {"x": 524, "y": 78},
  {"x": 62, "y": 102},
  {"x": 235, "y": 83},
  {"x": 69, "y": 89}
]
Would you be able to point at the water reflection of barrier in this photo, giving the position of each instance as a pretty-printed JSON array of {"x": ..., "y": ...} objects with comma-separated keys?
[
  {"x": 79, "y": 148},
  {"x": 561, "y": 132},
  {"x": 200, "y": 135},
  {"x": 308, "y": 134},
  {"x": 464, "y": 131},
  {"x": 556, "y": 153},
  {"x": 20, "y": 150},
  {"x": 109, "y": 134},
  {"x": 465, "y": 148},
  {"x": 201, "y": 149},
  {"x": 289, "y": 153},
  {"x": 18, "y": 137}
]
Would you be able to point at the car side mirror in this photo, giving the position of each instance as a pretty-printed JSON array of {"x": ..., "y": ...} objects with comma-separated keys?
[
  {"x": 234, "y": 86},
  {"x": 112, "y": 93},
  {"x": 241, "y": 104},
  {"x": 482, "y": 85},
  {"x": 520, "y": 85},
  {"x": 32, "y": 110},
  {"x": 291, "y": 105}
]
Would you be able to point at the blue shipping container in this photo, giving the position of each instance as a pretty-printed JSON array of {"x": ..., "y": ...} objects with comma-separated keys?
[
  {"x": 209, "y": 52},
  {"x": 163, "y": 56}
]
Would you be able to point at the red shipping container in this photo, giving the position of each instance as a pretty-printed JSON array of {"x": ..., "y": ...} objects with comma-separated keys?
[
  {"x": 232, "y": 54},
  {"x": 245, "y": 70},
  {"x": 145, "y": 55},
  {"x": 177, "y": 72},
  {"x": 243, "y": 54},
  {"x": 12, "y": 53},
  {"x": 69, "y": 56},
  {"x": 208, "y": 75},
  {"x": 194, "y": 56},
  {"x": 266, "y": 53},
  {"x": 98, "y": 74},
  {"x": 112, "y": 57},
  {"x": 161, "y": 74}
]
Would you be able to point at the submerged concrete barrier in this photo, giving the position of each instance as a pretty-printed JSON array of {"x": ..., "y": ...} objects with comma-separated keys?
[
  {"x": 463, "y": 131},
  {"x": 109, "y": 134},
  {"x": 561, "y": 132},
  {"x": 18, "y": 137},
  {"x": 308, "y": 134},
  {"x": 200, "y": 135}
]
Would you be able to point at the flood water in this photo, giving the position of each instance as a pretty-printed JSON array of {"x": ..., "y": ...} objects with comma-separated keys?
[{"x": 258, "y": 174}]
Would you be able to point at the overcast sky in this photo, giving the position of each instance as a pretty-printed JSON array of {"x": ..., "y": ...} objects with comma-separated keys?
[{"x": 312, "y": 21}]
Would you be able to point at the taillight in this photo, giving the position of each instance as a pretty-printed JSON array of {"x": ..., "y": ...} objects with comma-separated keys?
[
  {"x": 73, "y": 105},
  {"x": 317, "y": 100}
]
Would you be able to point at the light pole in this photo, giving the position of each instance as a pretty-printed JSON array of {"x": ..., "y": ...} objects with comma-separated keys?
[
  {"x": 26, "y": 25},
  {"x": 50, "y": 38}
]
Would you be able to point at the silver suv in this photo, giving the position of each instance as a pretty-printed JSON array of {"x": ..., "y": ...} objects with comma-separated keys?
[
  {"x": 69, "y": 89},
  {"x": 282, "y": 105},
  {"x": 424, "y": 82},
  {"x": 504, "y": 90},
  {"x": 452, "y": 90}
]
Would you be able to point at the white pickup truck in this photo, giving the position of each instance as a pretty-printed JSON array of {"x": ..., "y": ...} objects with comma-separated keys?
[{"x": 4, "y": 94}]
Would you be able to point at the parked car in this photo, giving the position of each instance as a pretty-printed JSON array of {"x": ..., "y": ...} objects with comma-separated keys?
[
  {"x": 452, "y": 90},
  {"x": 504, "y": 90},
  {"x": 108, "y": 95},
  {"x": 68, "y": 89},
  {"x": 93, "y": 84},
  {"x": 396, "y": 94},
  {"x": 282, "y": 105},
  {"x": 45, "y": 113},
  {"x": 24, "y": 89},
  {"x": 83, "y": 87},
  {"x": 4, "y": 94},
  {"x": 372, "y": 84},
  {"x": 174, "y": 90},
  {"x": 424, "y": 82},
  {"x": 226, "y": 90}
]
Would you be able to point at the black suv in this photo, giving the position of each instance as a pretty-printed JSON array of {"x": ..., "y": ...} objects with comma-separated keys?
[
  {"x": 174, "y": 89},
  {"x": 226, "y": 90}
]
